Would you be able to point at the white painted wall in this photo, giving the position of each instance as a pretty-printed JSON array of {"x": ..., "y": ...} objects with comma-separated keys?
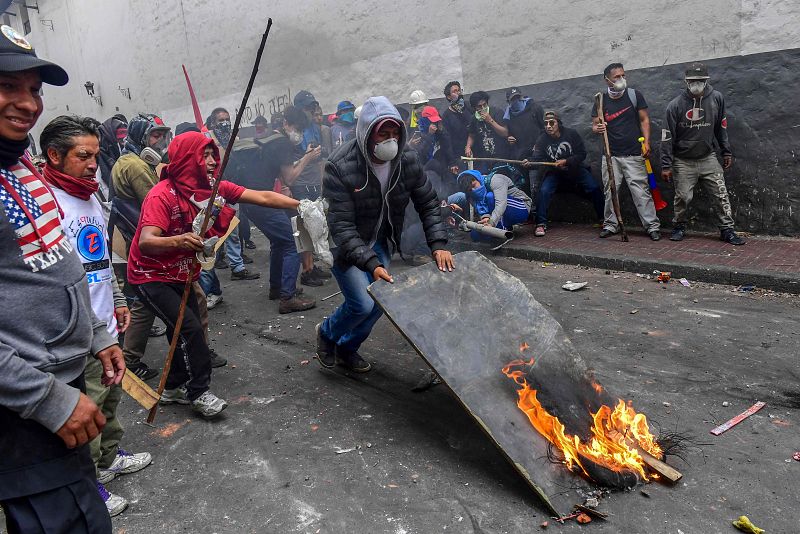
[{"x": 353, "y": 49}]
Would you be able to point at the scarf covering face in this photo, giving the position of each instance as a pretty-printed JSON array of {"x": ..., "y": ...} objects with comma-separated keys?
[
  {"x": 482, "y": 197},
  {"x": 82, "y": 188},
  {"x": 186, "y": 173},
  {"x": 12, "y": 151}
]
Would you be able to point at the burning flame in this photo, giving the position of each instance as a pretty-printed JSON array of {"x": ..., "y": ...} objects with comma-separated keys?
[{"x": 607, "y": 446}]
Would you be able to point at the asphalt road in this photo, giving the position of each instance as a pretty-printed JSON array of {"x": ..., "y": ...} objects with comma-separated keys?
[{"x": 311, "y": 451}]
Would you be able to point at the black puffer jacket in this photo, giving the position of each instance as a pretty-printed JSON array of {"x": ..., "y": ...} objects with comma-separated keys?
[{"x": 358, "y": 215}]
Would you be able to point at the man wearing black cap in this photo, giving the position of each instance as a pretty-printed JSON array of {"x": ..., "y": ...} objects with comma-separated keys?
[
  {"x": 308, "y": 184},
  {"x": 695, "y": 119},
  {"x": 525, "y": 121},
  {"x": 47, "y": 479}
]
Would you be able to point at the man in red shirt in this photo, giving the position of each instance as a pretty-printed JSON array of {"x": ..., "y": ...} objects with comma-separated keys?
[{"x": 164, "y": 248}]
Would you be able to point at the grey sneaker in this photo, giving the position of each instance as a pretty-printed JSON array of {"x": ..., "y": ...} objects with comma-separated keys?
[
  {"x": 208, "y": 405},
  {"x": 174, "y": 396},
  {"x": 114, "y": 503},
  {"x": 212, "y": 301},
  {"x": 124, "y": 464}
]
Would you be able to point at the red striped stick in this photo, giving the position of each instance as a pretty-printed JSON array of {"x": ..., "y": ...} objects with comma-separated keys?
[{"x": 724, "y": 427}]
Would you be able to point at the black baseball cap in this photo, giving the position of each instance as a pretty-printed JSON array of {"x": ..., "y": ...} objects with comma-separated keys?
[
  {"x": 697, "y": 71},
  {"x": 17, "y": 54},
  {"x": 511, "y": 93},
  {"x": 304, "y": 99}
]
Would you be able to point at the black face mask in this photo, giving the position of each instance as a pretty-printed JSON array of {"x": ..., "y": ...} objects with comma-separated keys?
[
  {"x": 458, "y": 104},
  {"x": 11, "y": 151},
  {"x": 223, "y": 132}
]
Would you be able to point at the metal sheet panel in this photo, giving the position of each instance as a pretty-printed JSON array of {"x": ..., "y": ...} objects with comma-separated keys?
[{"x": 470, "y": 323}]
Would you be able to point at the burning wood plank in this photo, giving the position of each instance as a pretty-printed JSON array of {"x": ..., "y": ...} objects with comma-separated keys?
[{"x": 656, "y": 465}]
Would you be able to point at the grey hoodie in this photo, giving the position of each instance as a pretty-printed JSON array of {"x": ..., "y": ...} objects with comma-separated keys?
[
  {"x": 47, "y": 328},
  {"x": 374, "y": 110}
]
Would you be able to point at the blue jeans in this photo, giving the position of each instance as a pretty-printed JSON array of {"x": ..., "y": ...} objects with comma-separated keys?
[
  {"x": 233, "y": 249},
  {"x": 550, "y": 184},
  {"x": 210, "y": 282},
  {"x": 350, "y": 324},
  {"x": 244, "y": 226},
  {"x": 284, "y": 261}
]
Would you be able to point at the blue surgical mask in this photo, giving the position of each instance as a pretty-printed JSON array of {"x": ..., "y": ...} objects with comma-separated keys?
[
  {"x": 348, "y": 117},
  {"x": 517, "y": 106}
]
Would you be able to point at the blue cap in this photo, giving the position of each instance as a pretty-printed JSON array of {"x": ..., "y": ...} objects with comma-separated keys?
[{"x": 344, "y": 105}]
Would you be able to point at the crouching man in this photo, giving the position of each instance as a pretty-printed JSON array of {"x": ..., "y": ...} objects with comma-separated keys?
[
  {"x": 368, "y": 182},
  {"x": 497, "y": 201}
]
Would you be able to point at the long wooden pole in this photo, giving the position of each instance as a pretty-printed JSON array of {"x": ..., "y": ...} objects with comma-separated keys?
[
  {"x": 612, "y": 182},
  {"x": 512, "y": 161},
  {"x": 195, "y": 264}
]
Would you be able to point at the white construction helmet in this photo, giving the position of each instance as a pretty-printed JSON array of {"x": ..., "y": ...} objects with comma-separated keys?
[
  {"x": 357, "y": 112},
  {"x": 417, "y": 97}
]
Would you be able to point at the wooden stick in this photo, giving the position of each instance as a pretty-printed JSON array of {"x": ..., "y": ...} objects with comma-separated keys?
[
  {"x": 724, "y": 427},
  {"x": 138, "y": 390},
  {"x": 662, "y": 468},
  {"x": 612, "y": 182},
  {"x": 195, "y": 264},
  {"x": 512, "y": 161}
]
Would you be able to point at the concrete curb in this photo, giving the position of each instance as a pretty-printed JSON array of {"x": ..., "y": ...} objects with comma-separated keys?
[{"x": 717, "y": 274}]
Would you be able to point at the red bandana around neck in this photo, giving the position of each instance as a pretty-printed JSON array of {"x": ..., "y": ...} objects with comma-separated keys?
[{"x": 82, "y": 188}]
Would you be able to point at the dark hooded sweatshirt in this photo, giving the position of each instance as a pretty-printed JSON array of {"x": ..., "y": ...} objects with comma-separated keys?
[
  {"x": 525, "y": 127},
  {"x": 359, "y": 214},
  {"x": 691, "y": 135}
]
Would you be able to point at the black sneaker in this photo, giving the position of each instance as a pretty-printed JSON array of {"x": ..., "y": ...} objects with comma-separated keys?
[
  {"x": 221, "y": 264},
  {"x": 678, "y": 233},
  {"x": 655, "y": 235},
  {"x": 216, "y": 359},
  {"x": 326, "y": 349},
  {"x": 729, "y": 236},
  {"x": 352, "y": 361},
  {"x": 308, "y": 279},
  {"x": 157, "y": 330},
  {"x": 245, "y": 274},
  {"x": 605, "y": 232},
  {"x": 322, "y": 275},
  {"x": 247, "y": 260},
  {"x": 249, "y": 245},
  {"x": 142, "y": 371}
]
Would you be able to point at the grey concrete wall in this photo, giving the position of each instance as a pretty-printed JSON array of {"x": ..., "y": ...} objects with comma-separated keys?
[{"x": 354, "y": 49}]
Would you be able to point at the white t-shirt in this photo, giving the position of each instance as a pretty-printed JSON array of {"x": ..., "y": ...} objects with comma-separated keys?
[
  {"x": 382, "y": 172},
  {"x": 84, "y": 224}
]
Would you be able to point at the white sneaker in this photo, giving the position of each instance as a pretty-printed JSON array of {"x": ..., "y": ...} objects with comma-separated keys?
[
  {"x": 208, "y": 405},
  {"x": 114, "y": 503},
  {"x": 212, "y": 301},
  {"x": 174, "y": 396},
  {"x": 124, "y": 464}
]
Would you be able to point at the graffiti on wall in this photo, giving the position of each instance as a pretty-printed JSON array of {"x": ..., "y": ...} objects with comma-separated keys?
[{"x": 266, "y": 108}]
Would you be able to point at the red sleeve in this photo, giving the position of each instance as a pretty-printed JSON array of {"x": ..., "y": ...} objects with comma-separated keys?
[
  {"x": 155, "y": 212},
  {"x": 230, "y": 191}
]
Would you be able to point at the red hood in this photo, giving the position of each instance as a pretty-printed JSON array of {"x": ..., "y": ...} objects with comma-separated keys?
[
  {"x": 186, "y": 172},
  {"x": 186, "y": 169}
]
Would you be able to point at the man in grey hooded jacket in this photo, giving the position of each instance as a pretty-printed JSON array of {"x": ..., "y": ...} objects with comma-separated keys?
[
  {"x": 368, "y": 183},
  {"x": 47, "y": 478}
]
